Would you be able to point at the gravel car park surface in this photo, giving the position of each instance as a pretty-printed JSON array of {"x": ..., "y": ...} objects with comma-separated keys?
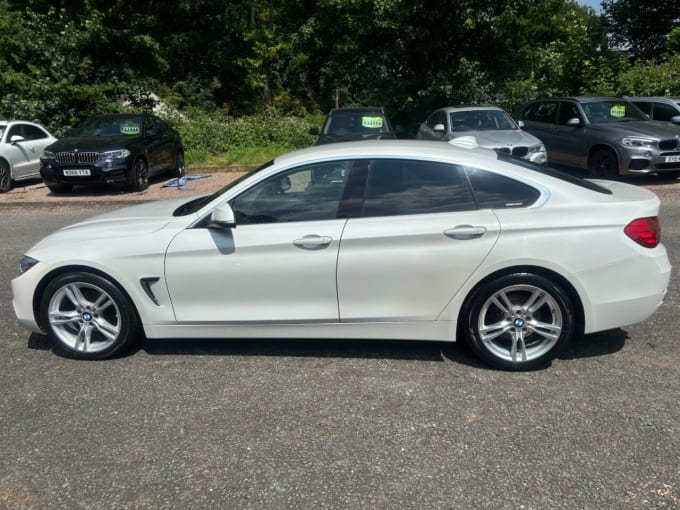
[{"x": 332, "y": 424}]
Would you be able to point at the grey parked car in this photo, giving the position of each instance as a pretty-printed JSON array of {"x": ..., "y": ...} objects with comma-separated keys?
[
  {"x": 491, "y": 127},
  {"x": 608, "y": 136},
  {"x": 659, "y": 108}
]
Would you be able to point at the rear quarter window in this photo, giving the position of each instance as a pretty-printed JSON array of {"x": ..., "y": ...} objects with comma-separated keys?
[{"x": 494, "y": 191}]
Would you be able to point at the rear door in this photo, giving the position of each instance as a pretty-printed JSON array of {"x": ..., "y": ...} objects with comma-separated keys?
[{"x": 412, "y": 244}]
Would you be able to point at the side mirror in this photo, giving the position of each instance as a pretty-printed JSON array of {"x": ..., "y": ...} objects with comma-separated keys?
[
  {"x": 574, "y": 122},
  {"x": 520, "y": 123},
  {"x": 16, "y": 138},
  {"x": 314, "y": 131},
  {"x": 439, "y": 128},
  {"x": 675, "y": 119},
  {"x": 223, "y": 216}
]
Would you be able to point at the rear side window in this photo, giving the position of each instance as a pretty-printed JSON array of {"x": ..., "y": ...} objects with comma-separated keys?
[
  {"x": 543, "y": 111},
  {"x": 397, "y": 187},
  {"x": 494, "y": 191}
]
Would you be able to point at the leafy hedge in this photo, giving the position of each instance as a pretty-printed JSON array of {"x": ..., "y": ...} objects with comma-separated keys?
[{"x": 205, "y": 135}]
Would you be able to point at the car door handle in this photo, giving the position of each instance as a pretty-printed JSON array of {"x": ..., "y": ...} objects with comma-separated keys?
[
  {"x": 313, "y": 241},
  {"x": 464, "y": 232}
]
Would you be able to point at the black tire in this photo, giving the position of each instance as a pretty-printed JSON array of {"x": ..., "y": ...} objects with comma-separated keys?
[
  {"x": 86, "y": 316},
  {"x": 603, "y": 164},
  {"x": 5, "y": 177},
  {"x": 180, "y": 167},
  {"x": 60, "y": 188},
  {"x": 140, "y": 175},
  {"x": 522, "y": 337}
]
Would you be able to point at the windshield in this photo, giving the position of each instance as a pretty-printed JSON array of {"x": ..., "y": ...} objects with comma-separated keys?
[
  {"x": 481, "y": 120},
  {"x": 194, "y": 205},
  {"x": 615, "y": 110},
  {"x": 109, "y": 126},
  {"x": 356, "y": 123}
]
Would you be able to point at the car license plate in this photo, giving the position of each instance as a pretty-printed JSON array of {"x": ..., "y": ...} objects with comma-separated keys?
[
  {"x": 673, "y": 159},
  {"x": 69, "y": 172}
]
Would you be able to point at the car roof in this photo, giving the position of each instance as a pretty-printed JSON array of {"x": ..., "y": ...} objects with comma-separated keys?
[
  {"x": 421, "y": 149},
  {"x": 357, "y": 109},
  {"x": 582, "y": 99},
  {"x": 668, "y": 99},
  {"x": 470, "y": 107}
]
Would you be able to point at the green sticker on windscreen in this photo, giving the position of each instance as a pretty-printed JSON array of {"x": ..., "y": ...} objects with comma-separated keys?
[
  {"x": 372, "y": 122},
  {"x": 618, "y": 111},
  {"x": 130, "y": 128}
]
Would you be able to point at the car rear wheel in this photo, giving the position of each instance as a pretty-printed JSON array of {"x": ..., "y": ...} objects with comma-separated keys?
[
  {"x": 88, "y": 317},
  {"x": 180, "y": 168},
  {"x": 140, "y": 175},
  {"x": 603, "y": 164},
  {"x": 519, "y": 321},
  {"x": 60, "y": 188},
  {"x": 5, "y": 177}
]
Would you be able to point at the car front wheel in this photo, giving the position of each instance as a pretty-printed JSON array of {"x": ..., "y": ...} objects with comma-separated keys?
[
  {"x": 140, "y": 175},
  {"x": 603, "y": 164},
  {"x": 88, "y": 317},
  {"x": 519, "y": 321},
  {"x": 5, "y": 177}
]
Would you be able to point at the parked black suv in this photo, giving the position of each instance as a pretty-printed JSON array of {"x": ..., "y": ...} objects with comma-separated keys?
[
  {"x": 347, "y": 124},
  {"x": 120, "y": 149}
]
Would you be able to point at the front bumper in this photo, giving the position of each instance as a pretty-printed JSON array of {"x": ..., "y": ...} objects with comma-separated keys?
[
  {"x": 645, "y": 160},
  {"x": 110, "y": 171}
]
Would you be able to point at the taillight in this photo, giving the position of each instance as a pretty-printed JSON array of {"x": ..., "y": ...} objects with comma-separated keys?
[{"x": 644, "y": 231}]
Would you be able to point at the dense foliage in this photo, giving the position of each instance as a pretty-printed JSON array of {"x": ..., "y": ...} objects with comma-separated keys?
[{"x": 250, "y": 71}]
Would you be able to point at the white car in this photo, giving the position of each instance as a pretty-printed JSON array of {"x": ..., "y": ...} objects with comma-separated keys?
[
  {"x": 490, "y": 126},
  {"x": 21, "y": 145},
  {"x": 391, "y": 240}
]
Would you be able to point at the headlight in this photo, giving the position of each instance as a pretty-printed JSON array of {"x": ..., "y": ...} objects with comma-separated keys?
[
  {"x": 638, "y": 141},
  {"x": 48, "y": 155},
  {"x": 537, "y": 148},
  {"x": 118, "y": 154},
  {"x": 26, "y": 263}
]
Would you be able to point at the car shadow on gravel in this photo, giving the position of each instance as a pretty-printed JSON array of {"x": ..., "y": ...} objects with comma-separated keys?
[{"x": 587, "y": 346}]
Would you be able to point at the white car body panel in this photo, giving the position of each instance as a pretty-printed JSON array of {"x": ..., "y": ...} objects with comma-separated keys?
[
  {"x": 395, "y": 277},
  {"x": 23, "y": 156}
]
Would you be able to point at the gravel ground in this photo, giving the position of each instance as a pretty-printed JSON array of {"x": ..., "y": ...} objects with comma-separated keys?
[{"x": 36, "y": 192}]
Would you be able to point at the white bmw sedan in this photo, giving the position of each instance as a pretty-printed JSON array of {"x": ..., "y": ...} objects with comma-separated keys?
[{"x": 390, "y": 240}]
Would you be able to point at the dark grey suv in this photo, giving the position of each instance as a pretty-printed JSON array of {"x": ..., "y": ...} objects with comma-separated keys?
[{"x": 608, "y": 136}]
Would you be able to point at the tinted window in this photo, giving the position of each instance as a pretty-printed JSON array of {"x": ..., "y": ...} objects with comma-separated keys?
[
  {"x": 438, "y": 117},
  {"x": 664, "y": 112},
  {"x": 396, "y": 187},
  {"x": 543, "y": 111},
  {"x": 309, "y": 193},
  {"x": 33, "y": 132},
  {"x": 644, "y": 106},
  {"x": 494, "y": 191},
  {"x": 613, "y": 110},
  {"x": 568, "y": 111}
]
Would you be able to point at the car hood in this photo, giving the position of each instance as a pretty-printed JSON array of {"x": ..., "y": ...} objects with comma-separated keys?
[
  {"x": 651, "y": 128},
  {"x": 502, "y": 138},
  {"x": 128, "y": 222},
  {"x": 93, "y": 143}
]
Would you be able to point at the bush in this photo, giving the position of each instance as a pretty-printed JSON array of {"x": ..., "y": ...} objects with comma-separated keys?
[{"x": 204, "y": 135}]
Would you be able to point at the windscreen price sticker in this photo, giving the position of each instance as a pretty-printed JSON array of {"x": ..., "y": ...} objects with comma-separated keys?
[
  {"x": 618, "y": 111},
  {"x": 372, "y": 122},
  {"x": 129, "y": 129}
]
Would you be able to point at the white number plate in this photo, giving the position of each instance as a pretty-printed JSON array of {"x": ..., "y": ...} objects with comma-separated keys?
[
  {"x": 672, "y": 159},
  {"x": 69, "y": 172}
]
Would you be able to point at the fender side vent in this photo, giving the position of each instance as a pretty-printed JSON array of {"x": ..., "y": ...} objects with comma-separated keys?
[{"x": 146, "y": 284}]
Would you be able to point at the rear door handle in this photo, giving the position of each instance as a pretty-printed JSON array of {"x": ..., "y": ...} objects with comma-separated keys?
[
  {"x": 313, "y": 241},
  {"x": 464, "y": 232}
]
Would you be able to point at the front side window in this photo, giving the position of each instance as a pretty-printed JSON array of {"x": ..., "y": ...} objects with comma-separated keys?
[
  {"x": 308, "y": 193},
  {"x": 396, "y": 187},
  {"x": 33, "y": 132},
  {"x": 664, "y": 112}
]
